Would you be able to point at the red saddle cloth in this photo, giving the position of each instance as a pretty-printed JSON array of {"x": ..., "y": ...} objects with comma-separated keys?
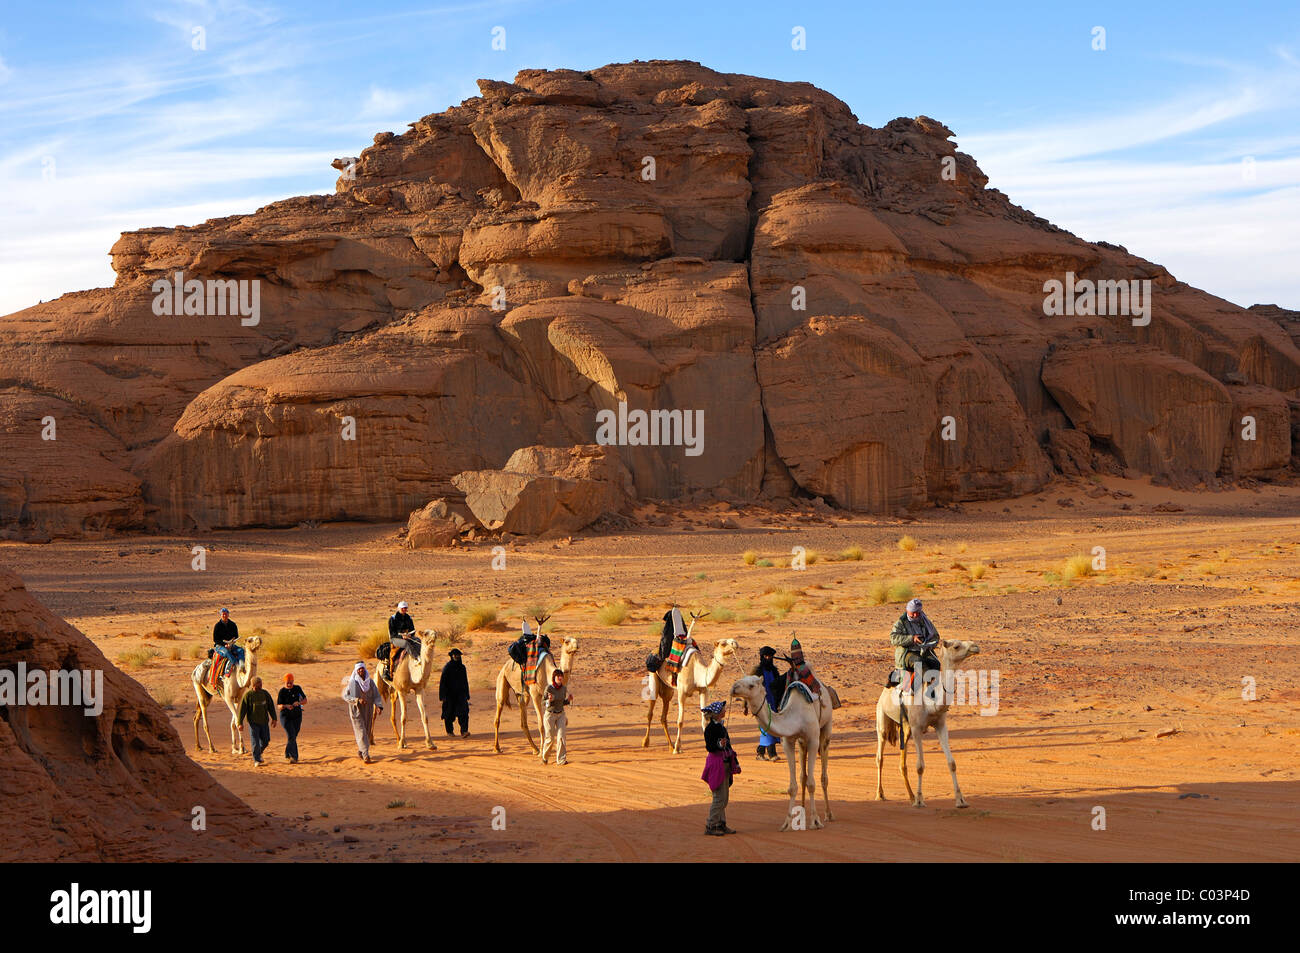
[{"x": 219, "y": 663}]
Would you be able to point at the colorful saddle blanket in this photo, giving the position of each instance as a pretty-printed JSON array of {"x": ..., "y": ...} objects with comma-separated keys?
[
  {"x": 535, "y": 656},
  {"x": 678, "y": 654},
  {"x": 216, "y": 670},
  {"x": 801, "y": 674}
]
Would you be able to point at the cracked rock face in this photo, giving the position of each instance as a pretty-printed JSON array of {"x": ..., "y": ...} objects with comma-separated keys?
[{"x": 854, "y": 313}]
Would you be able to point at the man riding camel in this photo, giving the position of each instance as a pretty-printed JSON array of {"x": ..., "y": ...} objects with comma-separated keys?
[
  {"x": 224, "y": 634},
  {"x": 401, "y": 635},
  {"x": 914, "y": 637}
]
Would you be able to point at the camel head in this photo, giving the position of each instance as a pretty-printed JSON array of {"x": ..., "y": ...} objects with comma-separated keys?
[
  {"x": 725, "y": 649},
  {"x": 568, "y": 649},
  {"x": 750, "y": 688},
  {"x": 252, "y": 644},
  {"x": 954, "y": 652}
]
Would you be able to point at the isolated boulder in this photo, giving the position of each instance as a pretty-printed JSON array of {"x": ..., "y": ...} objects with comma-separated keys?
[
  {"x": 437, "y": 524},
  {"x": 548, "y": 489}
]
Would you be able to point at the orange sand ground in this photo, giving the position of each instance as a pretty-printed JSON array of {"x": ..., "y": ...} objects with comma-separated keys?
[{"x": 1091, "y": 671}]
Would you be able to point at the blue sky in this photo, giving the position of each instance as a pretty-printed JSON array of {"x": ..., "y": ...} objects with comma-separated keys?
[{"x": 1180, "y": 140}]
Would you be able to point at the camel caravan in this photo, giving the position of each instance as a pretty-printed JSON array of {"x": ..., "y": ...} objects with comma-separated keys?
[{"x": 794, "y": 708}]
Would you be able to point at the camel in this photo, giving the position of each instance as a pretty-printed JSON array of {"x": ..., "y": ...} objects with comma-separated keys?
[
  {"x": 233, "y": 690},
  {"x": 695, "y": 678},
  {"x": 923, "y": 712},
  {"x": 804, "y": 727},
  {"x": 510, "y": 682},
  {"x": 409, "y": 677}
]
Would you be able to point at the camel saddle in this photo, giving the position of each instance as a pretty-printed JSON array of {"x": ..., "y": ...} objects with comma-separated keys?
[{"x": 216, "y": 670}]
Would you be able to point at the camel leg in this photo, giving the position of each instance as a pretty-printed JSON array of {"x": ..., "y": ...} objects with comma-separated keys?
[
  {"x": 902, "y": 760},
  {"x": 791, "y": 758},
  {"x": 202, "y": 712},
  {"x": 523, "y": 721},
  {"x": 920, "y": 769},
  {"x": 496, "y": 722},
  {"x": 665, "y": 700},
  {"x": 399, "y": 728},
  {"x": 649, "y": 719},
  {"x": 681, "y": 713},
  {"x": 704, "y": 700},
  {"x": 942, "y": 730},
  {"x": 424, "y": 720},
  {"x": 824, "y": 751},
  {"x": 810, "y": 786}
]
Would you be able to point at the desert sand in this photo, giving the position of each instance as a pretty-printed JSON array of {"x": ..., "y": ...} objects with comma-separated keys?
[{"x": 1121, "y": 690}]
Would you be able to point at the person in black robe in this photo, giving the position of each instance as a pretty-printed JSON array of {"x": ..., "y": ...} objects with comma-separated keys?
[{"x": 453, "y": 692}]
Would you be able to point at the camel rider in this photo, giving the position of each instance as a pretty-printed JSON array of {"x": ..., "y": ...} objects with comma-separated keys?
[
  {"x": 224, "y": 634},
  {"x": 914, "y": 637},
  {"x": 800, "y": 670},
  {"x": 773, "y": 682},
  {"x": 401, "y": 633}
]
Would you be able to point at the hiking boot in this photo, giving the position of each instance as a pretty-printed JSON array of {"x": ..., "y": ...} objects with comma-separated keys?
[
  {"x": 727, "y": 830},
  {"x": 715, "y": 831}
]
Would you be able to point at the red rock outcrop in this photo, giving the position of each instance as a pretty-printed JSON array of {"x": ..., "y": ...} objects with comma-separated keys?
[
  {"x": 112, "y": 786},
  {"x": 548, "y": 490},
  {"x": 655, "y": 236}
]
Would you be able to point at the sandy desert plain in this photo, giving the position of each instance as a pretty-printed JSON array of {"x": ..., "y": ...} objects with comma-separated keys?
[{"x": 1123, "y": 689}]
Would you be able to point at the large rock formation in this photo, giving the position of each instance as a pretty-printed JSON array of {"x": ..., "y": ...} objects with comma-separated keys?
[
  {"x": 854, "y": 312},
  {"x": 112, "y": 786}
]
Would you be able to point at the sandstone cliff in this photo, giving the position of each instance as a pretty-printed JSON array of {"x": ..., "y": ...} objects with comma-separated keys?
[{"x": 854, "y": 312}]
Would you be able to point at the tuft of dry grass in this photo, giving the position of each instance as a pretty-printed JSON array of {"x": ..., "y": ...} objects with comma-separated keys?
[
  {"x": 1076, "y": 566},
  {"x": 783, "y": 600},
  {"x": 978, "y": 570},
  {"x": 907, "y": 544},
  {"x": 722, "y": 614},
  {"x": 852, "y": 553},
  {"x": 612, "y": 613},
  {"x": 164, "y": 695},
  {"x": 749, "y": 556},
  {"x": 137, "y": 658},
  {"x": 899, "y": 592},
  {"x": 372, "y": 641},
  {"x": 479, "y": 616},
  {"x": 293, "y": 648}
]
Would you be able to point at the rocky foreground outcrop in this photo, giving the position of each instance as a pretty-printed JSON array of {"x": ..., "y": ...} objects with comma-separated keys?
[
  {"x": 112, "y": 786},
  {"x": 850, "y": 311}
]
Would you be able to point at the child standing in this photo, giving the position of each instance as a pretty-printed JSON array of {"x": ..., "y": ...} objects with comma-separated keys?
[{"x": 720, "y": 765}]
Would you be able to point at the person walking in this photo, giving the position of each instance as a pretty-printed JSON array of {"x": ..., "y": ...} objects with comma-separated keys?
[
  {"x": 259, "y": 708},
  {"x": 555, "y": 720},
  {"x": 362, "y": 695},
  {"x": 720, "y": 764},
  {"x": 453, "y": 692},
  {"x": 290, "y": 701}
]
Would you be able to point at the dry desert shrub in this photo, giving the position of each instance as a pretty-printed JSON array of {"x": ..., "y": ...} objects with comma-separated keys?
[
  {"x": 612, "y": 613},
  {"x": 292, "y": 648},
  {"x": 479, "y": 616},
  {"x": 749, "y": 556},
  {"x": 783, "y": 600},
  {"x": 1076, "y": 566},
  {"x": 137, "y": 658},
  {"x": 907, "y": 544},
  {"x": 366, "y": 648},
  {"x": 722, "y": 614},
  {"x": 978, "y": 570},
  {"x": 851, "y": 553}
]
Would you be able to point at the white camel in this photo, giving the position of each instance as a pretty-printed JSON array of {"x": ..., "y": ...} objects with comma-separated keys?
[
  {"x": 409, "y": 677},
  {"x": 927, "y": 708},
  {"x": 695, "y": 678},
  {"x": 804, "y": 726},
  {"x": 234, "y": 685}
]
